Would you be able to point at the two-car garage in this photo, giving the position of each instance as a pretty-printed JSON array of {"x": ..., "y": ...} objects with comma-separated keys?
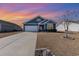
[{"x": 31, "y": 28}]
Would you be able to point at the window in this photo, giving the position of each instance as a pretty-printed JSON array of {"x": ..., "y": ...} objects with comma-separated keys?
[{"x": 49, "y": 26}]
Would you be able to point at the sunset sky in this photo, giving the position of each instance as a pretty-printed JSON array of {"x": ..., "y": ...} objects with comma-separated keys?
[{"x": 20, "y": 12}]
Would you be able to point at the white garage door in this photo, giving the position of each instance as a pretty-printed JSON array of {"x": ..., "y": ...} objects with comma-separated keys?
[
  {"x": 31, "y": 28},
  {"x": 74, "y": 27}
]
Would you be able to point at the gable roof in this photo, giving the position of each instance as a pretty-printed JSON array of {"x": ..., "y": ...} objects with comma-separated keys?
[
  {"x": 39, "y": 20},
  {"x": 2, "y": 21},
  {"x": 36, "y": 20}
]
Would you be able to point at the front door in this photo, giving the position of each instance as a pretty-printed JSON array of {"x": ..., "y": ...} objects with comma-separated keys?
[{"x": 41, "y": 27}]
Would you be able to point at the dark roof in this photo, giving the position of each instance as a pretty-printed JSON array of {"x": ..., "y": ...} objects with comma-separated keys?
[
  {"x": 36, "y": 20},
  {"x": 2, "y": 21},
  {"x": 44, "y": 21},
  {"x": 48, "y": 21},
  {"x": 39, "y": 20},
  {"x": 51, "y": 21}
]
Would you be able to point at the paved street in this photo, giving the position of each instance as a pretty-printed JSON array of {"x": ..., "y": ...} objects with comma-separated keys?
[{"x": 22, "y": 44}]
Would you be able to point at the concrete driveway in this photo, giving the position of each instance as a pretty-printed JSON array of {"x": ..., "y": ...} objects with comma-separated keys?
[{"x": 22, "y": 44}]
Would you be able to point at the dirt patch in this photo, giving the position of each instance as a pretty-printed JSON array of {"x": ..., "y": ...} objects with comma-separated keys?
[{"x": 57, "y": 44}]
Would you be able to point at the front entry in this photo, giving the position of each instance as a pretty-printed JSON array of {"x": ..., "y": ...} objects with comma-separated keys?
[{"x": 41, "y": 28}]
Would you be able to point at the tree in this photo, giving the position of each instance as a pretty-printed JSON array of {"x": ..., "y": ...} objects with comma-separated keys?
[
  {"x": 68, "y": 17},
  {"x": 66, "y": 23}
]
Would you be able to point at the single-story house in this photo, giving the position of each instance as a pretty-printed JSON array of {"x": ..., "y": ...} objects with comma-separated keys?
[
  {"x": 73, "y": 26},
  {"x": 7, "y": 26},
  {"x": 40, "y": 24}
]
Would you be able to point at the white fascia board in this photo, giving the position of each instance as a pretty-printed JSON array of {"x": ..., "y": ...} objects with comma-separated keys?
[
  {"x": 45, "y": 22},
  {"x": 41, "y": 21}
]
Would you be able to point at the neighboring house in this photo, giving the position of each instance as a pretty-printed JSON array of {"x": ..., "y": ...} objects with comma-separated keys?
[
  {"x": 40, "y": 24},
  {"x": 7, "y": 26},
  {"x": 73, "y": 26}
]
